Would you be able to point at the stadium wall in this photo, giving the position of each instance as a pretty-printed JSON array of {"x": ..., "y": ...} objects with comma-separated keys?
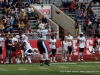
[
  {"x": 87, "y": 54},
  {"x": 88, "y": 42},
  {"x": 64, "y": 21}
]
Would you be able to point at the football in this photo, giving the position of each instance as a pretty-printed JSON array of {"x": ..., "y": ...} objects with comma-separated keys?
[{"x": 57, "y": 11}]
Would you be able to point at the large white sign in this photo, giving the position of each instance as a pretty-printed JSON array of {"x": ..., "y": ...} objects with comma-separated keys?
[{"x": 46, "y": 10}]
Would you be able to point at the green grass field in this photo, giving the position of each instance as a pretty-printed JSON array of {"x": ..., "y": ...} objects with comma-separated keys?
[{"x": 68, "y": 68}]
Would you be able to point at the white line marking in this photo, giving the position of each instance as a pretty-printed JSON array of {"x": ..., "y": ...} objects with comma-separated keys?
[
  {"x": 62, "y": 67},
  {"x": 42, "y": 68},
  {"x": 63, "y": 63},
  {"x": 2, "y": 69},
  {"x": 22, "y": 68},
  {"x": 83, "y": 66},
  {"x": 90, "y": 62}
]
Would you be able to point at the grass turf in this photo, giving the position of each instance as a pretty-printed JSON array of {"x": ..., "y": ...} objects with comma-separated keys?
[{"x": 70, "y": 68}]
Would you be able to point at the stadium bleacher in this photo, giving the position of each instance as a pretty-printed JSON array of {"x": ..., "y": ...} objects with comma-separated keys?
[{"x": 58, "y": 3}]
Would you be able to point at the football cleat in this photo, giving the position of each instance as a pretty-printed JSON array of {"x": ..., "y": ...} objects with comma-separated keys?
[{"x": 41, "y": 64}]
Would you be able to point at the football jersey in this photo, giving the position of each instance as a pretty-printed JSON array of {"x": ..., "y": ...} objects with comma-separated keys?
[
  {"x": 42, "y": 34},
  {"x": 1, "y": 41},
  {"x": 69, "y": 38},
  {"x": 27, "y": 45},
  {"x": 53, "y": 43},
  {"x": 81, "y": 42}
]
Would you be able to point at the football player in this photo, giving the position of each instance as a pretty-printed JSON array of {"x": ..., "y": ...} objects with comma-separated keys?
[
  {"x": 81, "y": 45},
  {"x": 42, "y": 33},
  {"x": 28, "y": 49},
  {"x": 1, "y": 47},
  {"x": 53, "y": 48},
  {"x": 70, "y": 43}
]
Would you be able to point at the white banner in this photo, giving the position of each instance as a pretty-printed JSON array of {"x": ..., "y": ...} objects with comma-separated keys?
[{"x": 46, "y": 10}]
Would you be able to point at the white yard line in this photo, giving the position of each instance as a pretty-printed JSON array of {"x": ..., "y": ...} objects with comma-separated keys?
[
  {"x": 62, "y": 67},
  {"x": 91, "y": 62},
  {"x": 2, "y": 69},
  {"x": 42, "y": 68},
  {"x": 63, "y": 63},
  {"x": 83, "y": 66},
  {"x": 22, "y": 68}
]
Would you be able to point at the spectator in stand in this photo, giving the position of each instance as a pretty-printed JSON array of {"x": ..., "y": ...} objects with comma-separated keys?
[
  {"x": 21, "y": 26},
  {"x": 71, "y": 7},
  {"x": 90, "y": 28},
  {"x": 90, "y": 6},
  {"x": 23, "y": 12},
  {"x": 86, "y": 23},
  {"x": 76, "y": 6},
  {"x": 27, "y": 25},
  {"x": 16, "y": 21},
  {"x": 83, "y": 6},
  {"x": 30, "y": 2},
  {"x": 2, "y": 4},
  {"x": 44, "y": 20},
  {"x": 36, "y": 16},
  {"x": 4, "y": 19},
  {"x": 26, "y": 21},
  {"x": 92, "y": 17},
  {"x": 15, "y": 1},
  {"x": 78, "y": 14},
  {"x": 6, "y": 7},
  {"x": 84, "y": 13},
  {"x": 10, "y": 2},
  {"x": 39, "y": 20},
  {"x": 14, "y": 10},
  {"x": 8, "y": 28},
  {"x": 89, "y": 12},
  {"x": 21, "y": 19},
  {"x": 1, "y": 26},
  {"x": 98, "y": 23},
  {"x": 11, "y": 21},
  {"x": 76, "y": 28},
  {"x": 8, "y": 14},
  {"x": 30, "y": 11},
  {"x": 65, "y": 3}
]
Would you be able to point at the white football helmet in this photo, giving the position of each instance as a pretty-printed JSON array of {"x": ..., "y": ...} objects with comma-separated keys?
[
  {"x": 41, "y": 26},
  {"x": 14, "y": 39}
]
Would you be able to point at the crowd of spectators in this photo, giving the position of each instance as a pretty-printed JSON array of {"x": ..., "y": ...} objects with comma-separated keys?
[
  {"x": 91, "y": 24},
  {"x": 16, "y": 16}
]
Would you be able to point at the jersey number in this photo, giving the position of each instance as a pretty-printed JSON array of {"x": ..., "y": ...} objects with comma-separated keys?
[{"x": 40, "y": 35}]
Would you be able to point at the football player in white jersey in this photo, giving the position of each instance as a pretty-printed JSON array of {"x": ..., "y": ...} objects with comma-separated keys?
[
  {"x": 81, "y": 45},
  {"x": 28, "y": 49},
  {"x": 1, "y": 47},
  {"x": 53, "y": 48},
  {"x": 70, "y": 43},
  {"x": 42, "y": 33}
]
